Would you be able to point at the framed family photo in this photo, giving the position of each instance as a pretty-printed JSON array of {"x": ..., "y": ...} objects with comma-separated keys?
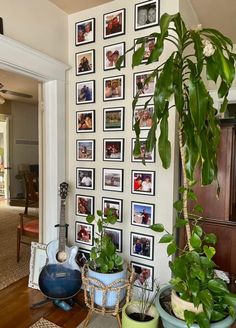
[
  {"x": 85, "y": 178},
  {"x": 113, "y": 88},
  {"x": 84, "y": 205},
  {"x": 84, "y": 233},
  {"x": 113, "y": 150},
  {"x": 85, "y": 92},
  {"x": 143, "y": 182},
  {"x": 147, "y": 14},
  {"x": 85, "y": 32},
  {"x": 111, "y": 54},
  {"x": 112, "y": 179},
  {"x": 147, "y": 156},
  {"x": 144, "y": 275},
  {"x": 116, "y": 237},
  {"x": 114, "y": 23},
  {"x": 38, "y": 259},
  {"x": 114, "y": 205},
  {"x": 148, "y": 47},
  {"x": 144, "y": 115},
  {"x": 143, "y": 85},
  {"x": 142, "y": 214},
  {"x": 85, "y": 150},
  {"x": 85, "y": 62},
  {"x": 141, "y": 245},
  {"x": 85, "y": 121},
  {"x": 113, "y": 119},
  {"x": 82, "y": 257}
]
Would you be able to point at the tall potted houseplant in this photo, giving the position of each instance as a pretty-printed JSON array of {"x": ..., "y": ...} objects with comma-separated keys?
[{"x": 199, "y": 54}]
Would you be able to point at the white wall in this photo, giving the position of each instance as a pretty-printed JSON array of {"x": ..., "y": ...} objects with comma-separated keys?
[
  {"x": 38, "y": 24},
  {"x": 166, "y": 180}
]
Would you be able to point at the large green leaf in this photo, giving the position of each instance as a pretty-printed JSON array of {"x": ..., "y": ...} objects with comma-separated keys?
[
  {"x": 209, "y": 251},
  {"x": 189, "y": 318},
  {"x": 225, "y": 66},
  {"x": 211, "y": 69},
  {"x": 198, "y": 50},
  {"x": 167, "y": 238},
  {"x": 207, "y": 301},
  {"x": 195, "y": 241},
  {"x": 164, "y": 145},
  {"x": 218, "y": 286},
  {"x": 158, "y": 227},
  {"x": 202, "y": 320},
  {"x": 138, "y": 56},
  {"x": 208, "y": 166},
  {"x": 171, "y": 248},
  {"x": 157, "y": 51},
  {"x": 222, "y": 38}
]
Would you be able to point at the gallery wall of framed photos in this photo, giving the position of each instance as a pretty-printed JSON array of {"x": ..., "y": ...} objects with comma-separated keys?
[{"x": 103, "y": 173}]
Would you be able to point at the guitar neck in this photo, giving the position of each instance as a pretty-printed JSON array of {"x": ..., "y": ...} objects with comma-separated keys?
[{"x": 62, "y": 227}]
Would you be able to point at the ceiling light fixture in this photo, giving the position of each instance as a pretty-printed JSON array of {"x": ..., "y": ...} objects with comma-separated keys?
[{"x": 2, "y": 100}]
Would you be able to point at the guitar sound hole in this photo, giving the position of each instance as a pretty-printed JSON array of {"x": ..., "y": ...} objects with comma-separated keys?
[{"x": 61, "y": 257}]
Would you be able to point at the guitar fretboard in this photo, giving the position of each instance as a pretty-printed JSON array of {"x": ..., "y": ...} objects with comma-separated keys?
[{"x": 62, "y": 227}]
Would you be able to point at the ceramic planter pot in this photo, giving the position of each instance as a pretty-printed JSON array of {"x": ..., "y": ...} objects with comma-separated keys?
[
  {"x": 108, "y": 279},
  {"x": 170, "y": 321},
  {"x": 132, "y": 307}
]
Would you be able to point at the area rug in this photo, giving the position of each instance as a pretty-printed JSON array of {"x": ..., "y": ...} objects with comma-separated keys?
[
  {"x": 99, "y": 320},
  {"x": 11, "y": 271},
  {"x": 43, "y": 323}
]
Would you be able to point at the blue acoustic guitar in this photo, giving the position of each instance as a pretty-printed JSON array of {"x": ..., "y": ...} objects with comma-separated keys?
[{"x": 60, "y": 278}]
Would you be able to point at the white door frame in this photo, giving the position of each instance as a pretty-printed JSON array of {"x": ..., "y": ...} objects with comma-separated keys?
[{"x": 22, "y": 59}]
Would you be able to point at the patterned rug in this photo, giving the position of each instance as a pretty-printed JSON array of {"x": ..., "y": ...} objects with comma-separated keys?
[
  {"x": 43, "y": 323},
  {"x": 99, "y": 320},
  {"x": 11, "y": 271}
]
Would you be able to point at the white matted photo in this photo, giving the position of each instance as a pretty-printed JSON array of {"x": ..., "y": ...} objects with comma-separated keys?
[
  {"x": 113, "y": 149},
  {"x": 142, "y": 214},
  {"x": 149, "y": 45},
  {"x": 85, "y": 92},
  {"x": 143, "y": 182},
  {"x": 146, "y": 14},
  {"x": 116, "y": 237},
  {"x": 147, "y": 156},
  {"x": 85, "y": 62},
  {"x": 84, "y": 205},
  {"x": 85, "y": 121},
  {"x": 114, "y": 23},
  {"x": 38, "y": 260},
  {"x": 144, "y": 116},
  {"x": 144, "y": 275},
  {"x": 113, "y": 119},
  {"x": 84, "y": 233},
  {"x": 85, "y": 150},
  {"x": 113, "y": 88},
  {"x": 114, "y": 205},
  {"x": 112, "y": 179},
  {"x": 141, "y": 245},
  {"x": 85, "y": 178},
  {"x": 85, "y": 32},
  {"x": 111, "y": 54},
  {"x": 144, "y": 85}
]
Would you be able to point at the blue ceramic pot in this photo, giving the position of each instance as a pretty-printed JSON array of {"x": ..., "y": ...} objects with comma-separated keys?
[{"x": 170, "y": 321}]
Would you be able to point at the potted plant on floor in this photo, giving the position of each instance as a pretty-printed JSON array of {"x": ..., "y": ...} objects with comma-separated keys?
[
  {"x": 199, "y": 54},
  {"x": 105, "y": 265}
]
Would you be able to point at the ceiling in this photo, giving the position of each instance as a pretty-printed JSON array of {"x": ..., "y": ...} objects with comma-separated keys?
[{"x": 222, "y": 17}]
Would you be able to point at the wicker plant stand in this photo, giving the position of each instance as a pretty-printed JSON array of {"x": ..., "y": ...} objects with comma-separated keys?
[{"x": 90, "y": 285}]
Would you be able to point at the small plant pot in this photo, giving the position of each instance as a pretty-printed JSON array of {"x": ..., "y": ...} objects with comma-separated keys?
[
  {"x": 132, "y": 307},
  {"x": 170, "y": 321}
]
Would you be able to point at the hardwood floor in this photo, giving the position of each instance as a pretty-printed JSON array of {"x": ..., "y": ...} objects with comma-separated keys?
[{"x": 16, "y": 312}]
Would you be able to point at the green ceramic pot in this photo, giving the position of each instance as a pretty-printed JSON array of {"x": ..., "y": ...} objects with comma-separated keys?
[
  {"x": 170, "y": 321},
  {"x": 131, "y": 307}
]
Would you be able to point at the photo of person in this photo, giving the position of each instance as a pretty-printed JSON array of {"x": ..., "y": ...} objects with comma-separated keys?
[
  {"x": 85, "y": 150},
  {"x": 84, "y": 62},
  {"x": 84, "y": 205},
  {"x": 141, "y": 246},
  {"x": 148, "y": 48},
  {"x": 84, "y": 32},
  {"x": 113, "y": 119},
  {"x": 111, "y": 54},
  {"x": 113, "y": 88},
  {"x": 114, "y": 206},
  {"x": 147, "y": 156},
  {"x": 144, "y": 275},
  {"x": 85, "y": 121},
  {"x": 85, "y": 92},
  {"x": 113, "y": 179},
  {"x": 84, "y": 178},
  {"x": 113, "y": 149},
  {"x": 84, "y": 233},
  {"x": 142, "y": 214},
  {"x": 146, "y": 14},
  {"x": 142, "y": 86},
  {"x": 144, "y": 116},
  {"x": 116, "y": 237},
  {"x": 114, "y": 23},
  {"x": 143, "y": 182}
]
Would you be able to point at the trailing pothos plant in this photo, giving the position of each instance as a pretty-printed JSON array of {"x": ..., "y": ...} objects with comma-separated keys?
[
  {"x": 199, "y": 54},
  {"x": 103, "y": 256}
]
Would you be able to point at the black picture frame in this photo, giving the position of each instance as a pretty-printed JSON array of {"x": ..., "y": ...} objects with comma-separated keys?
[
  {"x": 142, "y": 214},
  {"x": 112, "y": 179},
  {"x": 144, "y": 115},
  {"x": 82, "y": 257},
  {"x": 85, "y": 92},
  {"x": 140, "y": 87},
  {"x": 148, "y": 47},
  {"x": 147, "y": 156},
  {"x": 1, "y": 25},
  {"x": 144, "y": 248},
  {"x": 84, "y": 205},
  {"x": 85, "y": 121},
  {"x": 85, "y": 150},
  {"x": 85, "y": 62},
  {"x": 84, "y": 233},
  {"x": 85, "y": 178},
  {"x": 80, "y": 37},
  {"x": 146, "y": 14},
  {"x": 111, "y": 53},
  {"x": 113, "y": 149},
  {"x": 147, "y": 272},
  {"x": 116, "y": 237},
  {"x": 113, "y": 88},
  {"x": 114, "y": 23},
  {"x": 114, "y": 204},
  {"x": 143, "y": 182},
  {"x": 113, "y": 119}
]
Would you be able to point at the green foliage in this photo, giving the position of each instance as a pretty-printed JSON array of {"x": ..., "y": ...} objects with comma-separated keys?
[{"x": 103, "y": 256}]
